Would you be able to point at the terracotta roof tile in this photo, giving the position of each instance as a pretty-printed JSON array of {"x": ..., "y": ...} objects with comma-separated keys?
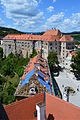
[
  {"x": 24, "y": 109},
  {"x": 50, "y": 38},
  {"x": 60, "y": 109},
  {"x": 66, "y": 38},
  {"x": 31, "y": 66},
  {"x": 55, "y": 32},
  {"x": 49, "y": 35}
]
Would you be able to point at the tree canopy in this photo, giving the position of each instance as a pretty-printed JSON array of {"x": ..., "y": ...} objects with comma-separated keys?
[
  {"x": 34, "y": 53},
  {"x": 11, "y": 69},
  {"x": 52, "y": 59},
  {"x": 13, "y": 64},
  {"x": 76, "y": 63},
  {"x": 1, "y": 52}
]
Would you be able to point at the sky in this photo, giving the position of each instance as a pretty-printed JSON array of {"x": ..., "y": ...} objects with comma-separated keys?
[{"x": 40, "y": 15}]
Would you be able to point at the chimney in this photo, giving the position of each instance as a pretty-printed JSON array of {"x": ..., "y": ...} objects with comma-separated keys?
[{"x": 40, "y": 111}]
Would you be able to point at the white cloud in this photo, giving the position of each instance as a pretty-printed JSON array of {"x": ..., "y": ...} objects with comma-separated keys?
[
  {"x": 31, "y": 24},
  {"x": 54, "y": 21},
  {"x": 21, "y": 7},
  {"x": 64, "y": 24},
  {"x": 27, "y": 17},
  {"x": 50, "y": 8},
  {"x": 72, "y": 23},
  {"x": 23, "y": 13},
  {"x": 54, "y": 1}
]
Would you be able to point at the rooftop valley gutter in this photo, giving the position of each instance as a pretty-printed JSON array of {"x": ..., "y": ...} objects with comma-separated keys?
[{"x": 51, "y": 80}]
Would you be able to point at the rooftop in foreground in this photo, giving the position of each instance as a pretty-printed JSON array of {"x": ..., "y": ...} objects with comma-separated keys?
[{"x": 55, "y": 108}]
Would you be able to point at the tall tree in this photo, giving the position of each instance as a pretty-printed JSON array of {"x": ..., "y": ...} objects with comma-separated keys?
[
  {"x": 34, "y": 53},
  {"x": 52, "y": 59},
  {"x": 1, "y": 52},
  {"x": 76, "y": 63}
]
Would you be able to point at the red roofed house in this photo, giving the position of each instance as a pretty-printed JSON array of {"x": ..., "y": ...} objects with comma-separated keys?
[
  {"x": 42, "y": 107},
  {"x": 50, "y": 40}
]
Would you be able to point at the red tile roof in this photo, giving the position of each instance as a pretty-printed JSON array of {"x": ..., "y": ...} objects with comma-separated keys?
[
  {"x": 60, "y": 109},
  {"x": 30, "y": 66},
  {"x": 73, "y": 53},
  {"x": 66, "y": 38},
  {"x": 17, "y": 37},
  {"x": 32, "y": 37},
  {"x": 24, "y": 109},
  {"x": 49, "y": 35},
  {"x": 54, "y": 32},
  {"x": 50, "y": 38}
]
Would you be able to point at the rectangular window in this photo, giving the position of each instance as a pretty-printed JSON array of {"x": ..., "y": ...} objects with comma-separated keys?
[
  {"x": 50, "y": 44},
  {"x": 50, "y": 48},
  {"x": 9, "y": 46}
]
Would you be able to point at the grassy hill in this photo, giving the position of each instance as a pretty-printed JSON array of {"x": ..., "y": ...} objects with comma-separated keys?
[{"x": 4, "y": 31}]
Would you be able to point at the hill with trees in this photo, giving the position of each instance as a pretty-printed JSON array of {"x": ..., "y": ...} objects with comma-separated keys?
[{"x": 4, "y": 31}]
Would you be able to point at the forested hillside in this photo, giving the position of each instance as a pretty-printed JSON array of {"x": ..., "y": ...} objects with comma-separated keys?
[{"x": 4, "y": 31}]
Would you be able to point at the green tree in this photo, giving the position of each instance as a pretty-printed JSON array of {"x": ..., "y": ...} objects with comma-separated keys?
[
  {"x": 8, "y": 67},
  {"x": 11, "y": 68},
  {"x": 52, "y": 59},
  {"x": 1, "y": 52},
  {"x": 76, "y": 63},
  {"x": 33, "y": 54},
  {"x": 20, "y": 71}
]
